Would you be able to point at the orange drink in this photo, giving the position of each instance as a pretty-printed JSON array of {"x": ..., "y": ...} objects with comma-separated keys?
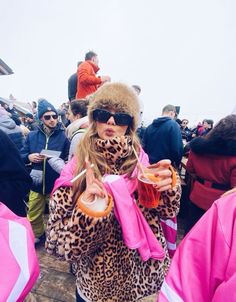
[{"x": 148, "y": 195}]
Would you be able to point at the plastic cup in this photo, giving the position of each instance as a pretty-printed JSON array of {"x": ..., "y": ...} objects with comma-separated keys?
[{"x": 148, "y": 196}]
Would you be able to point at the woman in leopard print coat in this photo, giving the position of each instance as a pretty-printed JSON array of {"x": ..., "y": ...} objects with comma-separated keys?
[{"x": 98, "y": 221}]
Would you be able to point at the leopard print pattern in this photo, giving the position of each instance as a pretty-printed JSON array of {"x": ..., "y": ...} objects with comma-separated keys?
[
  {"x": 107, "y": 269},
  {"x": 115, "y": 151}
]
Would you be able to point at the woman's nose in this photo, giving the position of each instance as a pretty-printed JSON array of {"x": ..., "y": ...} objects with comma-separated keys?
[{"x": 111, "y": 121}]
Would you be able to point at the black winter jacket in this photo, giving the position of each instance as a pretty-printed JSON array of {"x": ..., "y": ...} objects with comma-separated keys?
[
  {"x": 162, "y": 140},
  {"x": 15, "y": 181}
]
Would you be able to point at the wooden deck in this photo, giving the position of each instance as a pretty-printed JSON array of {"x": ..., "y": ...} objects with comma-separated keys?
[{"x": 57, "y": 284}]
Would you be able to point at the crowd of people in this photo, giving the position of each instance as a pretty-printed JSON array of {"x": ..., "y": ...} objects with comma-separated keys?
[{"x": 94, "y": 165}]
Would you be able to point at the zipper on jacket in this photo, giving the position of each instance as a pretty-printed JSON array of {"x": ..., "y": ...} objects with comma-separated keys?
[{"x": 44, "y": 162}]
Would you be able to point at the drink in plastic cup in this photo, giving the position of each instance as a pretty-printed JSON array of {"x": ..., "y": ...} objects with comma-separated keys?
[{"x": 148, "y": 195}]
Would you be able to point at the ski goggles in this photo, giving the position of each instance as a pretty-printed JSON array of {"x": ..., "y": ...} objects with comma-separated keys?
[{"x": 121, "y": 119}]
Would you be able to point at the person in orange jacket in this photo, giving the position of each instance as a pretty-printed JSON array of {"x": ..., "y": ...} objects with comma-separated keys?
[{"x": 88, "y": 82}]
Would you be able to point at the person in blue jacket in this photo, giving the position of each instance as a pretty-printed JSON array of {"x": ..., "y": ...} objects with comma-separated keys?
[
  {"x": 162, "y": 139},
  {"x": 51, "y": 136}
]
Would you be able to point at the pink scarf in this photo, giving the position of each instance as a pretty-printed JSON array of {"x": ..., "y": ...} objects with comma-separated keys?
[{"x": 137, "y": 233}]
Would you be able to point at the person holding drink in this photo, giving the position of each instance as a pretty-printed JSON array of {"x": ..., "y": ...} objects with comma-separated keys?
[{"x": 97, "y": 217}]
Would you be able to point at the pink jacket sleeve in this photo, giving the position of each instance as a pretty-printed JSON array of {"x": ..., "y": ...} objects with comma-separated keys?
[{"x": 200, "y": 262}]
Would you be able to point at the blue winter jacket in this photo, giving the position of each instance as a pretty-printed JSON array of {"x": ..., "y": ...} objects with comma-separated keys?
[
  {"x": 162, "y": 140},
  {"x": 35, "y": 142}
]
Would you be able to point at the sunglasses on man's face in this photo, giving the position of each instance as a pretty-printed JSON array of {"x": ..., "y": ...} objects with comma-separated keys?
[
  {"x": 121, "y": 119},
  {"x": 49, "y": 116}
]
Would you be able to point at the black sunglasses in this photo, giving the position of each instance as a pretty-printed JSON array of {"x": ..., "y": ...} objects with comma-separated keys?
[
  {"x": 121, "y": 119},
  {"x": 48, "y": 117}
]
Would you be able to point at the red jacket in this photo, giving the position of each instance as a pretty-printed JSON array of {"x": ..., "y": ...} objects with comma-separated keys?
[
  {"x": 87, "y": 82},
  {"x": 215, "y": 165}
]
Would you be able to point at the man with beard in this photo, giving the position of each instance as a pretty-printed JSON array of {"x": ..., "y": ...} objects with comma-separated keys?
[{"x": 49, "y": 136}]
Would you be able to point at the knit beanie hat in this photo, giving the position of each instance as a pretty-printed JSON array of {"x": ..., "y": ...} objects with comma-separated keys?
[
  {"x": 44, "y": 106},
  {"x": 29, "y": 115},
  {"x": 117, "y": 96}
]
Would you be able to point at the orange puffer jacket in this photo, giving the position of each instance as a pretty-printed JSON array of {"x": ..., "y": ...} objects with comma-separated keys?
[{"x": 88, "y": 82}]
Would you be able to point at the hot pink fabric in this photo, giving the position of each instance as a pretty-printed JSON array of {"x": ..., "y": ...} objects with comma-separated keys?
[
  {"x": 203, "y": 268},
  {"x": 19, "y": 268},
  {"x": 137, "y": 233},
  {"x": 67, "y": 173},
  {"x": 169, "y": 227}
]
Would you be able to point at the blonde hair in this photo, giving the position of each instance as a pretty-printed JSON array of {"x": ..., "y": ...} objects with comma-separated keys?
[
  {"x": 116, "y": 96},
  {"x": 86, "y": 150}
]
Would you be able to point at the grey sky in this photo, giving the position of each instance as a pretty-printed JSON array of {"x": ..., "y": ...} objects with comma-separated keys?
[{"x": 180, "y": 52}]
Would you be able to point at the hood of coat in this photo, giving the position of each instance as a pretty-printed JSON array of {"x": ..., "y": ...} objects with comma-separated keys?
[
  {"x": 161, "y": 120},
  {"x": 202, "y": 145},
  {"x": 7, "y": 122},
  {"x": 77, "y": 124}
]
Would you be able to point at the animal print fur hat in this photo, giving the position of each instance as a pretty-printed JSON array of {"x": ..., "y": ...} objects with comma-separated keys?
[{"x": 117, "y": 96}]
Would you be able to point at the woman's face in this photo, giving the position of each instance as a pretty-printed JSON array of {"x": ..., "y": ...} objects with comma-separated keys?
[{"x": 109, "y": 129}]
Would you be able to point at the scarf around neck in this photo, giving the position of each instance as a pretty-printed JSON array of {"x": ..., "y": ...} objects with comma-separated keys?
[{"x": 115, "y": 152}]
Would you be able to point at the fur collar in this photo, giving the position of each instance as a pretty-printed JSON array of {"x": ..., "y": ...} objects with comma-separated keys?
[
  {"x": 115, "y": 152},
  {"x": 201, "y": 145}
]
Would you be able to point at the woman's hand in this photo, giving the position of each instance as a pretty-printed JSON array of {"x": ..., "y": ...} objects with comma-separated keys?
[
  {"x": 94, "y": 187},
  {"x": 162, "y": 172}
]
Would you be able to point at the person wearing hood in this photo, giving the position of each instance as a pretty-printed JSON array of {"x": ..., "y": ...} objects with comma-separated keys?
[
  {"x": 212, "y": 165},
  {"x": 8, "y": 125},
  {"x": 77, "y": 114},
  {"x": 88, "y": 82},
  {"x": 118, "y": 259},
  {"x": 51, "y": 136},
  {"x": 162, "y": 139},
  {"x": 15, "y": 180}
]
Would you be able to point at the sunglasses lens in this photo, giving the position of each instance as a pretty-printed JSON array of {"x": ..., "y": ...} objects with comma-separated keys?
[
  {"x": 101, "y": 116},
  {"x": 48, "y": 117},
  {"x": 121, "y": 119}
]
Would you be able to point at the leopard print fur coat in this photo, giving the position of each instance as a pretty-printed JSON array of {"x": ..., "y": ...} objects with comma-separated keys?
[{"x": 107, "y": 269}]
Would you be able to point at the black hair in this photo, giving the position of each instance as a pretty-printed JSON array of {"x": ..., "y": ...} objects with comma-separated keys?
[
  {"x": 79, "y": 107},
  {"x": 225, "y": 129},
  {"x": 89, "y": 55}
]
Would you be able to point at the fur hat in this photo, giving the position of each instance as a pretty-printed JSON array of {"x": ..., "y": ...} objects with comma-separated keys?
[
  {"x": 117, "y": 96},
  {"x": 44, "y": 106}
]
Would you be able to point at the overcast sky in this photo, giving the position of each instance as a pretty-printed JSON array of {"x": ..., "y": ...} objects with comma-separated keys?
[{"x": 180, "y": 52}]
